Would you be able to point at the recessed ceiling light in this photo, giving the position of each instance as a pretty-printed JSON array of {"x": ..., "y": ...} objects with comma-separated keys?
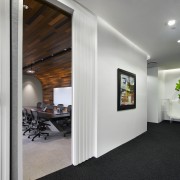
[
  {"x": 178, "y": 41},
  {"x": 25, "y": 6},
  {"x": 30, "y": 71},
  {"x": 171, "y": 22}
]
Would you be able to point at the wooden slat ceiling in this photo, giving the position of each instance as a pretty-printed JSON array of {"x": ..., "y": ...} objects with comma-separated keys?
[{"x": 47, "y": 31}]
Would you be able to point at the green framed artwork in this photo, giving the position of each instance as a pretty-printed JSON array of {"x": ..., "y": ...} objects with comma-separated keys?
[{"x": 126, "y": 90}]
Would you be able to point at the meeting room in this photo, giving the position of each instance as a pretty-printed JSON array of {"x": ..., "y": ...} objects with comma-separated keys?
[{"x": 47, "y": 89}]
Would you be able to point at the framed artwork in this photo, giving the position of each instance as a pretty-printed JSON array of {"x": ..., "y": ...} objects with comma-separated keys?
[{"x": 126, "y": 90}]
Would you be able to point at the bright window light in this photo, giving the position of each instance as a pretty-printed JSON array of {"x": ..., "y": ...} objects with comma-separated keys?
[{"x": 178, "y": 41}]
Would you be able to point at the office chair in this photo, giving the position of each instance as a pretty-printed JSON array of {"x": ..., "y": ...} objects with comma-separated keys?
[
  {"x": 24, "y": 120},
  {"x": 29, "y": 119},
  {"x": 68, "y": 121},
  {"x": 33, "y": 124},
  {"x": 43, "y": 105},
  {"x": 40, "y": 127},
  {"x": 39, "y": 105},
  {"x": 50, "y": 106},
  {"x": 60, "y": 107}
]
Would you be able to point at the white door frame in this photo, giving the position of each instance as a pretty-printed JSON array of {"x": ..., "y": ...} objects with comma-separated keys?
[{"x": 4, "y": 89}]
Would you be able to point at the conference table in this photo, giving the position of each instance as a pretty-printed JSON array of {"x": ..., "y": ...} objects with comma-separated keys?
[
  {"x": 48, "y": 114},
  {"x": 57, "y": 119},
  {"x": 53, "y": 116}
]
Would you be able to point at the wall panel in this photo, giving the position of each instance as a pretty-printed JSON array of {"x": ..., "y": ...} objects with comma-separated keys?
[
  {"x": 117, "y": 127},
  {"x": 84, "y": 47}
]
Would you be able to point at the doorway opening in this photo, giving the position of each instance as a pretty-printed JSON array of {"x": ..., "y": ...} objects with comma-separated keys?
[{"x": 47, "y": 89}]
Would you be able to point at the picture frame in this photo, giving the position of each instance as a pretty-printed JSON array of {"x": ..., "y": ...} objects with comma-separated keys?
[{"x": 126, "y": 90}]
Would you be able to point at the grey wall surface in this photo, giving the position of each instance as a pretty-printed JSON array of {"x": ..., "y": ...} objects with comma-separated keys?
[{"x": 32, "y": 91}]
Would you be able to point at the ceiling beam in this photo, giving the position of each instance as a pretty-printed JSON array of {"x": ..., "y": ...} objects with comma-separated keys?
[{"x": 47, "y": 58}]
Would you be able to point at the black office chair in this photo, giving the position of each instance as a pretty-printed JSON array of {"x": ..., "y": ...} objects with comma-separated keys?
[
  {"x": 39, "y": 104},
  {"x": 43, "y": 105},
  {"x": 67, "y": 121},
  {"x": 60, "y": 107},
  {"x": 28, "y": 119},
  {"x": 41, "y": 126},
  {"x": 24, "y": 120},
  {"x": 50, "y": 106},
  {"x": 33, "y": 125}
]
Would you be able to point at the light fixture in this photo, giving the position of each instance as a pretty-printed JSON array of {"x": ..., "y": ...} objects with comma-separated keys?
[
  {"x": 30, "y": 71},
  {"x": 171, "y": 22},
  {"x": 178, "y": 41},
  {"x": 25, "y": 6}
]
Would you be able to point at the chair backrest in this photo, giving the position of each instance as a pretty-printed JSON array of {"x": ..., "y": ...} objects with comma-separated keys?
[
  {"x": 43, "y": 105},
  {"x": 40, "y": 116},
  {"x": 27, "y": 114},
  {"x": 69, "y": 108},
  {"x": 39, "y": 104},
  {"x": 24, "y": 114},
  {"x": 50, "y": 106},
  {"x": 28, "y": 111},
  {"x": 34, "y": 114},
  {"x": 23, "y": 111},
  {"x": 174, "y": 109},
  {"x": 60, "y": 107}
]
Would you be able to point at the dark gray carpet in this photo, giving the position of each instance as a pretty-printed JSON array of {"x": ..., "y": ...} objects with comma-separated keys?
[{"x": 155, "y": 155}]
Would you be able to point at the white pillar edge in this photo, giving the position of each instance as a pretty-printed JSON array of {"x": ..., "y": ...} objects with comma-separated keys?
[
  {"x": 81, "y": 149},
  {"x": 5, "y": 89},
  {"x": 19, "y": 85}
]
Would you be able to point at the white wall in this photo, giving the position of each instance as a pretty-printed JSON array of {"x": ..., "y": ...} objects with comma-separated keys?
[
  {"x": 171, "y": 77},
  {"x": 32, "y": 91},
  {"x": 152, "y": 95},
  {"x": 161, "y": 87},
  {"x": 161, "y": 92},
  {"x": 117, "y": 127},
  {"x": 155, "y": 94}
]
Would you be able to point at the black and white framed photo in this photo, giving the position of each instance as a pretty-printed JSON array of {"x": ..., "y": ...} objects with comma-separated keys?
[{"x": 126, "y": 90}]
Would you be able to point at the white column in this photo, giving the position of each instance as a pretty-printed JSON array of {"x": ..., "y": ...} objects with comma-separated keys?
[
  {"x": 84, "y": 52},
  {"x": 16, "y": 89},
  {"x": 84, "y": 44},
  {"x": 4, "y": 89}
]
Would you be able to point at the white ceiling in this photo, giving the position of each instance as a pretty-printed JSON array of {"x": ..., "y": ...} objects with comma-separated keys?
[{"x": 144, "y": 23}]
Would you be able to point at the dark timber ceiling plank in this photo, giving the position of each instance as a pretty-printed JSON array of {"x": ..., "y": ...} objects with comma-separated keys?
[{"x": 47, "y": 31}]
